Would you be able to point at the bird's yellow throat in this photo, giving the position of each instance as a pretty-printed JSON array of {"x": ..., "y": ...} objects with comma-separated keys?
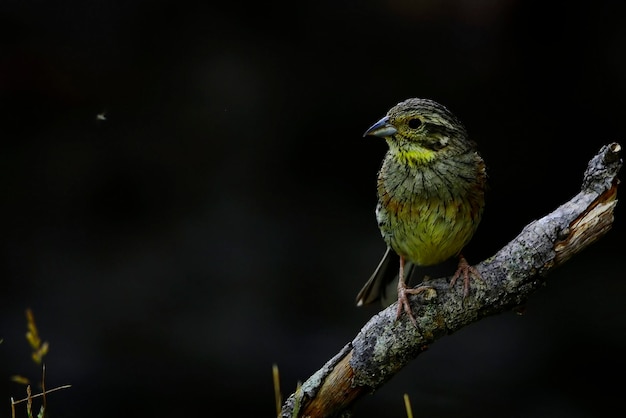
[{"x": 412, "y": 156}]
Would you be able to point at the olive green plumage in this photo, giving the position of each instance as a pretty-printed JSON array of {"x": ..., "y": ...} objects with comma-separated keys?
[{"x": 431, "y": 188}]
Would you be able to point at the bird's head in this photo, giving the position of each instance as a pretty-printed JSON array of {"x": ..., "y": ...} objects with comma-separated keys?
[{"x": 419, "y": 131}]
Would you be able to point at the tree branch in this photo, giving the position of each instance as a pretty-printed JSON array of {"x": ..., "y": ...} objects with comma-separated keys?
[{"x": 385, "y": 345}]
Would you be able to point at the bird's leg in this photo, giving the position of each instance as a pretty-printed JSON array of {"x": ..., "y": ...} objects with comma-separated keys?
[
  {"x": 466, "y": 270},
  {"x": 403, "y": 301}
]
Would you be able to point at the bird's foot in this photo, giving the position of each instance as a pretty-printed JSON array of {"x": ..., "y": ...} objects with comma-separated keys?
[
  {"x": 467, "y": 271},
  {"x": 403, "y": 300}
]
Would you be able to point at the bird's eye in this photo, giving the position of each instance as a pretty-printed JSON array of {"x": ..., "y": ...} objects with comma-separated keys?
[{"x": 415, "y": 123}]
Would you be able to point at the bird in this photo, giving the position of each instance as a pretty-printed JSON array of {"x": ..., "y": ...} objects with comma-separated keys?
[{"x": 431, "y": 195}]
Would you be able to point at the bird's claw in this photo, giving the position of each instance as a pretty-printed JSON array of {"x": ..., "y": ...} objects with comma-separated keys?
[
  {"x": 466, "y": 271},
  {"x": 403, "y": 301}
]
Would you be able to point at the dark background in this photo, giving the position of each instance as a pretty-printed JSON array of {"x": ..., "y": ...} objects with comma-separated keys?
[{"x": 221, "y": 219}]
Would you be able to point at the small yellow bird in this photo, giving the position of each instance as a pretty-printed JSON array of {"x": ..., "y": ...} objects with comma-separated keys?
[{"x": 431, "y": 194}]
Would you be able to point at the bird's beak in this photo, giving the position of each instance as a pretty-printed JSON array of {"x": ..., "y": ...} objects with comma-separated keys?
[{"x": 381, "y": 129}]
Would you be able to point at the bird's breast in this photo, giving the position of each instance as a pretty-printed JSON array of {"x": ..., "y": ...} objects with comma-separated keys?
[{"x": 426, "y": 215}]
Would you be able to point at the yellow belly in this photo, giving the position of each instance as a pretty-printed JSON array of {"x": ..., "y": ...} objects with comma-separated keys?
[{"x": 430, "y": 231}]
